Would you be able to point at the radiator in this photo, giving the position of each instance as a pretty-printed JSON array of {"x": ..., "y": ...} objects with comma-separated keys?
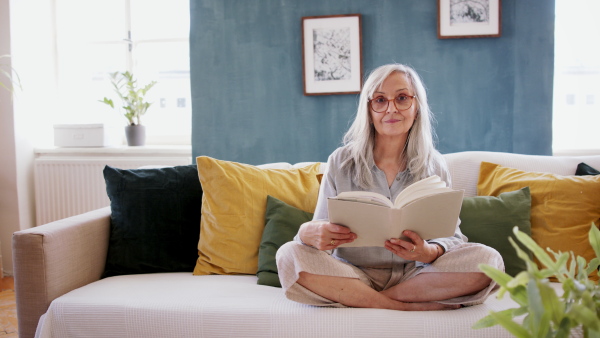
[{"x": 70, "y": 185}]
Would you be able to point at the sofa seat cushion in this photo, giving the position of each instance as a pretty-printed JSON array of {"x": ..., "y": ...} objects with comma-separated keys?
[{"x": 183, "y": 305}]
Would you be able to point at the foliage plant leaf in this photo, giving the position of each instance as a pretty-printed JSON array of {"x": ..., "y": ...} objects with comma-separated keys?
[
  {"x": 506, "y": 321},
  {"x": 543, "y": 257},
  {"x": 500, "y": 277},
  {"x": 538, "y": 315},
  {"x": 581, "y": 265},
  {"x": 551, "y": 303},
  {"x": 594, "y": 236},
  {"x": 585, "y": 316},
  {"x": 593, "y": 265},
  {"x": 564, "y": 328},
  {"x": 546, "y": 313},
  {"x": 518, "y": 293},
  {"x": 593, "y": 334},
  {"x": 487, "y": 321}
]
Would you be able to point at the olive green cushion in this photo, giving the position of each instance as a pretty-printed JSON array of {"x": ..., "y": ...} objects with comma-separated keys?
[
  {"x": 489, "y": 220},
  {"x": 282, "y": 222}
]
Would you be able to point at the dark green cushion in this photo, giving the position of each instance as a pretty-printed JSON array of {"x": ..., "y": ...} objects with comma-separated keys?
[
  {"x": 282, "y": 222},
  {"x": 155, "y": 220},
  {"x": 584, "y": 169},
  {"x": 489, "y": 220}
]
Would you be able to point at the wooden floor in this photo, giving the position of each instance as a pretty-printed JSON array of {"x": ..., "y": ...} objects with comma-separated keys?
[{"x": 8, "y": 308}]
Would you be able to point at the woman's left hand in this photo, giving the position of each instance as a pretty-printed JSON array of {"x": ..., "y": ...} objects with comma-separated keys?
[{"x": 414, "y": 249}]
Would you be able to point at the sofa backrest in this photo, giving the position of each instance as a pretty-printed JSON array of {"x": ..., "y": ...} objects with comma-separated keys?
[
  {"x": 464, "y": 166},
  {"x": 285, "y": 165}
]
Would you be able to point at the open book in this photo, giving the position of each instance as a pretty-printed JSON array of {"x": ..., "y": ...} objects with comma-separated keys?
[{"x": 427, "y": 207}]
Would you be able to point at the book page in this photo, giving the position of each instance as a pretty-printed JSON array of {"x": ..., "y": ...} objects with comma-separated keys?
[
  {"x": 430, "y": 183},
  {"x": 399, "y": 203},
  {"x": 434, "y": 216},
  {"x": 365, "y": 197}
]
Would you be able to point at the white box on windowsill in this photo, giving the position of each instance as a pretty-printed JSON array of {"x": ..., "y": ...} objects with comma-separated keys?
[{"x": 85, "y": 135}]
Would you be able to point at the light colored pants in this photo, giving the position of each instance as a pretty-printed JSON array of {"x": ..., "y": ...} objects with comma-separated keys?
[{"x": 294, "y": 257}]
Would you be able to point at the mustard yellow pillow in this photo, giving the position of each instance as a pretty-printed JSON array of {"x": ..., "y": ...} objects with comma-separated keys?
[
  {"x": 562, "y": 207},
  {"x": 233, "y": 210}
]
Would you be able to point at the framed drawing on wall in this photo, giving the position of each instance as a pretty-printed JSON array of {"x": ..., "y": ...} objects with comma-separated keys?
[
  {"x": 469, "y": 19},
  {"x": 332, "y": 54}
]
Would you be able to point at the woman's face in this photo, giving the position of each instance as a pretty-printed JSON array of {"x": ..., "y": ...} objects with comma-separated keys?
[{"x": 393, "y": 122}]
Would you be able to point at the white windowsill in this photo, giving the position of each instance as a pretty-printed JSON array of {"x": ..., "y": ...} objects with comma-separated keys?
[
  {"x": 149, "y": 150},
  {"x": 575, "y": 152}
]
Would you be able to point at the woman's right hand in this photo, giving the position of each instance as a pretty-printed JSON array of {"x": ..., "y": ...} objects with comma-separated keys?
[{"x": 324, "y": 235}]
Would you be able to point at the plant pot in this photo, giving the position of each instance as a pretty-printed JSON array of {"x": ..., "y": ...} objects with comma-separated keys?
[{"x": 136, "y": 135}]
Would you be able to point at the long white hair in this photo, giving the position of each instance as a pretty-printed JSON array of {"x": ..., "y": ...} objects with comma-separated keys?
[{"x": 423, "y": 160}]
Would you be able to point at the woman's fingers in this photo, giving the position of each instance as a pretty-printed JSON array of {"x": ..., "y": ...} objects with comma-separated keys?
[
  {"x": 337, "y": 235},
  {"x": 414, "y": 237},
  {"x": 405, "y": 249},
  {"x": 324, "y": 235},
  {"x": 402, "y": 245}
]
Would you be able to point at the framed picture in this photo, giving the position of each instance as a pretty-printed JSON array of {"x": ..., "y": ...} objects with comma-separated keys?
[
  {"x": 332, "y": 54},
  {"x": 469, "y": 19}
]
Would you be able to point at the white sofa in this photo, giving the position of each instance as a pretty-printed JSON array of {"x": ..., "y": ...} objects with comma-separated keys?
[{"x": 58, "y": 266}]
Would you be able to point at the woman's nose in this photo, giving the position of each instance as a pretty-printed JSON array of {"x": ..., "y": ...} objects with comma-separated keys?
[{"x": 391, "y": 108}]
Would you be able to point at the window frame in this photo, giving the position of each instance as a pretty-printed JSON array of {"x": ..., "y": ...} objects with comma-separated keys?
[{"x": 131, "y": 46}]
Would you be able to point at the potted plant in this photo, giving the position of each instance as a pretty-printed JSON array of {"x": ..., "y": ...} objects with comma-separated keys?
[
  {"x": 7, "y": 73},
  {"x": 133, "y": 105},
  {"x": 547, "y": 314}
]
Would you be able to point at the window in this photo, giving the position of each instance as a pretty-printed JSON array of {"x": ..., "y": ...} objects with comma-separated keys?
[
  {"x": 576, "y": 115},
  {"x": 150, "y": 38}
]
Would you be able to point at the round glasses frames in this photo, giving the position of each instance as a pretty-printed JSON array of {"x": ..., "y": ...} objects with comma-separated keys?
[{"x": 380, "y": 104}]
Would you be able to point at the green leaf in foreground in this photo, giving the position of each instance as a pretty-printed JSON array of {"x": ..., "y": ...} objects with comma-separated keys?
[{"x": 546, "y": 313}]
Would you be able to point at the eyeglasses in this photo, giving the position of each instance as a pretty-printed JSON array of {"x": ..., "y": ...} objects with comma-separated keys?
[{"x": 380, "y": 104}]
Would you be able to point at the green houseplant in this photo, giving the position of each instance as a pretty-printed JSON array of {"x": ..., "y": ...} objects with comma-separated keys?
[
  {"x": 133, "y": 104},
  {"x": 6, "y": 72},
  {"x": 543, "y": 312}
]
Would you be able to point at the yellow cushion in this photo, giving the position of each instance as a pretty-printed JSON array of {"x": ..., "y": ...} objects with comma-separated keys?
[
  {"x": 562, "y": 207},
  {"x": 233, "y": 210}
]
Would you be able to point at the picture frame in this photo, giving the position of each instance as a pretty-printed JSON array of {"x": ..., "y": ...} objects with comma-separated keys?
[
  {"x": 332, "y": 54},
  {"x": 469, "y": 19}
]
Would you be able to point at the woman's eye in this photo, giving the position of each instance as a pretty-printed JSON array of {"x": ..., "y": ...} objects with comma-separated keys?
[
  {"x": 402, "y": 98},
  {"x": 379, "y": 100}
]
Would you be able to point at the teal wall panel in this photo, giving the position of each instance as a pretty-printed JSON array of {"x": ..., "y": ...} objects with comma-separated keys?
[{"x": 246, "y": 70}]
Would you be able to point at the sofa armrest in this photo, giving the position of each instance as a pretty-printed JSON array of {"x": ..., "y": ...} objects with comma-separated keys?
[{"x": 55, "y": 258}]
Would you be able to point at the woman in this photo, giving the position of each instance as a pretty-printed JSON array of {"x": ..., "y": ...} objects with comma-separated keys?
[{"x": 389, "y": 146}]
